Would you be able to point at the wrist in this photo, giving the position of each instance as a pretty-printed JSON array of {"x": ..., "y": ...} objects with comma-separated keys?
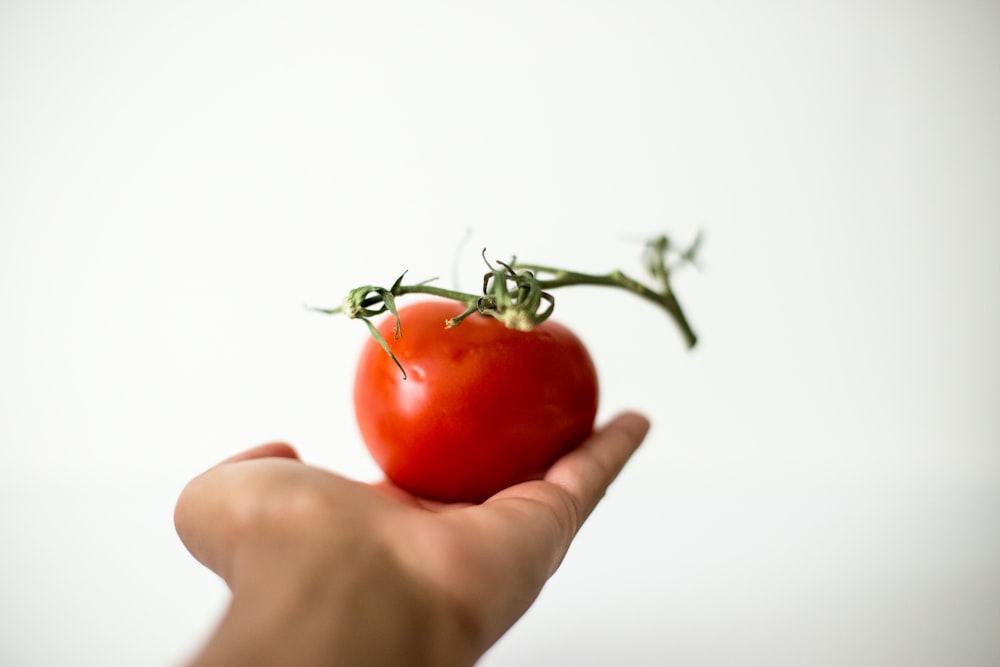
[{"x": 357, "y": 609}]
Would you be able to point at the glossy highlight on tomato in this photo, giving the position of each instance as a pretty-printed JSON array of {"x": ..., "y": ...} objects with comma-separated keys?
[{"x": 483, "y": 406}]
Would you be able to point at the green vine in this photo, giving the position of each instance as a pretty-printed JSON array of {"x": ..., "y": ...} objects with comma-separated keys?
[{"x": 518, "y": 295}]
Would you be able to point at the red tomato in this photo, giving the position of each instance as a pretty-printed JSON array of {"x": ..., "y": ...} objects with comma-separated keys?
[{"x": 483, "y": 406}]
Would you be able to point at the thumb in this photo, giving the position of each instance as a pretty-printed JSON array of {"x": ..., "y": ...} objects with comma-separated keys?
[
  {"x": 212, "y": 506},
  {"x": 270, "y": 450}
]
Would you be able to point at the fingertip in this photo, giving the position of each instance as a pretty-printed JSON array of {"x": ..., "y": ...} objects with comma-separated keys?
[
  {"x": 270, "y": 450},
  {"x": 635, "y": 425}
]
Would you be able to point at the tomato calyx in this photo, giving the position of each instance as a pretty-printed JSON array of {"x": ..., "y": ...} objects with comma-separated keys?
[
  {"x": 516, "y": 298},
  {"x": 515, "y": 294}
]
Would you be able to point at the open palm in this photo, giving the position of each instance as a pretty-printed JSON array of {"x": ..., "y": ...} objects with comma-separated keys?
[{"x": 450, "y": 577}]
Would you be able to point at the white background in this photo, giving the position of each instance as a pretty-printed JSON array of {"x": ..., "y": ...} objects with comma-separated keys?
[{"x": 822, "y": 482}]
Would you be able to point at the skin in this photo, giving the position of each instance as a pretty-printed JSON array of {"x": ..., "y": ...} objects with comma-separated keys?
[{"x": 325, "y": 570}]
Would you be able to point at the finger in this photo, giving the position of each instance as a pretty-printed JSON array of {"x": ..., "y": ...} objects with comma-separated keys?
[
  {"x": 269, "y": 450},
  {"x": 585, "y": 473},
  {"x": 541, "y": 518},
  {"x": 211, "y": 508}
]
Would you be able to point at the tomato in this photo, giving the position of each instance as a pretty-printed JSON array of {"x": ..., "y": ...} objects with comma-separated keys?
[{"x": 483, "y": 406}]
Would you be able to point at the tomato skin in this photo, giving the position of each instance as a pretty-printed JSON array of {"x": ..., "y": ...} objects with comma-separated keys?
[{"x": 483, "y": 406}]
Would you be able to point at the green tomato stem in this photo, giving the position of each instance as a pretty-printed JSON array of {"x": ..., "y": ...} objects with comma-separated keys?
[
  {"x": 423, "y": 288},
  {"x": 514, "y": 294},
  {"x": 664, "y": 299}
]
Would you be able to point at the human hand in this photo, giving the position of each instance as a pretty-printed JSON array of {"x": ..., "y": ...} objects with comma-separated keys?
[{"x": 328, "y": 570}]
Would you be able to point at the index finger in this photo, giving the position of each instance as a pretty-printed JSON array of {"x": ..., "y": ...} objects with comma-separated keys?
[{"x": 586, "y": 473}]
